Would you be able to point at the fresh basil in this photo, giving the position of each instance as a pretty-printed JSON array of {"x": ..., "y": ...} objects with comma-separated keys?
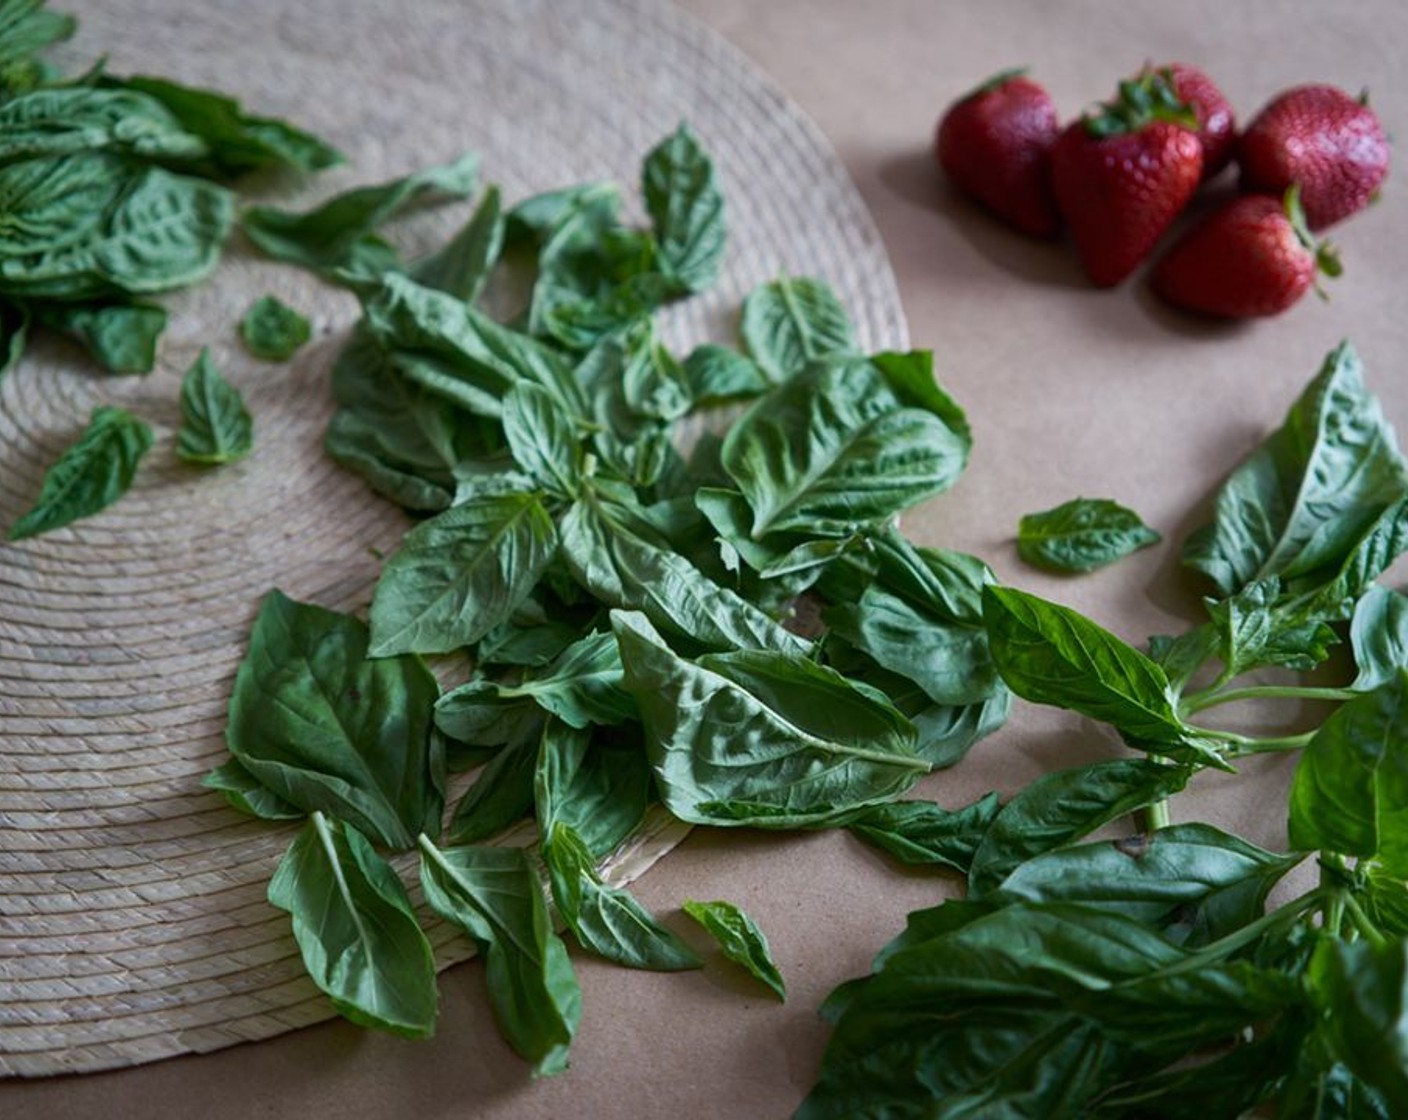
[
  {"x": 462, "y": 266},
  {"x": 215, "y": 425},
  {"x": 1360, "y": 989},
  {"x": 922, "y": 833},
  {"x": 543, "y": 440},
  {"x": 53, "y": 122},
  {"x": 502, "y": 794},
  {"x": 1082, "y": 535},
  {"x": 1378, "y": 634},
  {"x": 740, "y": 939},
  {"x": 120, "y": 337},
  {"x": 15, "y": 319},
  {"x": 716, "y": 373},
  {"x": 790, "y": 322},
  {"x": 686, "y": 210},
  {"x": 274, "y": 331},
  {"x": 598, "y": 790},
  {"x": 243, "y": 791}
]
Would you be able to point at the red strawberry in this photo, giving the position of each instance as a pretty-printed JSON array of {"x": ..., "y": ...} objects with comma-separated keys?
[
  {"x": 1330, "y": 143},
  {"x": 1254, "y": 256},
  {"x": 1217, "y": 126},
  {"x": 1122, "y": 175},
  {"x": 994, "y": 144}
]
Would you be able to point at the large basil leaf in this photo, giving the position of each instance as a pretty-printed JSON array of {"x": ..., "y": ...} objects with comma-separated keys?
[
  {"x": 493, "y": 894},
  {"x": 1061, "y": 807},
  {"x": 215, "y": 425},
  {"x": 1082, "y": 535},
  {"x": 460, "y": 574},
  {"x": 832, "y": 451},
  {"x": 740, "y": 939},
  {"x": 340, "y": 234},
  {"x": 599, "y": 791},
  {"x": 1050, "y": 654},
  {"x": 1378, "y": 634},
  {"x": 686, "y": 209},
  {"x": 1362, "y": 989},
  {"x": 790, "y": 322},
  {"x": 91, "y": 474},
  {"x": 52, "y": 203},
  {"x": 354, "y": 925},
  {"x": 922, "y": 833},
  {"x": 327, "y": 729},
  {"x": 462, "y": 265},
  {"x": 622, "y": 569},
  {"x": 1350, "y": 792},
  {"x": 51, "y": 122},
  {"x": 1310, "y": 492},
  {"x": 120, "y": 337},
  {"x": 762, "y": 738}
]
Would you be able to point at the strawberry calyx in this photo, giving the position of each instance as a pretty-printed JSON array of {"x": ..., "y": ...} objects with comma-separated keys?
[
  {"x": 997, "y": 81},
  {"x": 1327, "y": 258},
  {"x": 1140, "y": 102}
]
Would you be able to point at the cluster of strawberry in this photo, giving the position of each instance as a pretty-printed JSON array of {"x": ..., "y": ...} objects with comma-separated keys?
[{"x": 1119, "y": 176}]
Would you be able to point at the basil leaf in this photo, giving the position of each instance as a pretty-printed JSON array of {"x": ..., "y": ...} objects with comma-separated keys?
[
  {"x": 1312, "y": 490},
  {"x": 1194, "y": 882},
  {"x": 654, "y": 384},
  {"x": 686, "y": 209},
  {"x": 1082, "y": 535},
  {"x": 543, "y": 439},
  {"x": 608, "y": 921},
  {"x": 14, "y": 333},
  {"x": 740, "y": 939},
  {"x": 1385, "y": 899},
  {"x": 583, "y": 685},
  {"x": 1378, "y": 634},
  {"x": 1050, "y": 654},
  {"x": 53, "y": 203},
  {"x": 215, "y": 425},
  {"x": 502, "y": 794},
  {"x": 922, "y": 833},
  {"x": 353, "y": 923},
  {"x": 580, "y": 322},
  {"x": 121, "y": 337},
  {"x": 26, "y": 28},
  {"x": 762, "y": 738},
  {"x": 600, "y": 792},
  {"x": 52, "y": 122},
  {"x": 460, "y": 574},
  {"x": 237, "y": 141},
  {"x": 789, "y": 322},
  {"x": 91, "y": 474},
  {"x": 1061, "y": 807},
  {"x": 910, "y": 376},
  {"x": 832, "y": 451},
  {"x": 339, "y": 234},
  {"x": 1257, "y": 627},
  {"x": 1360, "y": 989},
  {"x": 462, "y": 266},
  {"x": 243, "y": 791},
  {"x": 716, "y": 373},
  {"x": 1350, "y": 791},
  {"x": 274, "y": 331},
  {"x": 324, "y": 728},
  {"x": 573, "y": 213},
  {"x": 493, "y": 894}
]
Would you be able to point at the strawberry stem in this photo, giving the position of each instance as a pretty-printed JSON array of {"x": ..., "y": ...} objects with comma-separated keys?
[
  {"x": 997, "y": 81},
  {"x": 1327, "y": 259},
  {"x": 1141, "y": 101}
]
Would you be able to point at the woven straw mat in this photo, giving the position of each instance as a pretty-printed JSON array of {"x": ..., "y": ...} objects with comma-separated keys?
[{"x": 133, "y": 923}]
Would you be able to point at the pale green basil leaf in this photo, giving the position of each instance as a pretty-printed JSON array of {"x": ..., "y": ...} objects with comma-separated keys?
[
  {"x": 716, "y": 373},
  {"x": 1082, "y": 535},
  {"x": 494, "y": 895},
  {"x": 26, "y": 28},
  {"x": 740, "y": 939},
  {"x": 502, "y": 794},
  {"x": 355, "y": 929},
  {"x": 921, "y": 833},
  {"x": 832, "y": 451},
  {"x": 460, "y": 574},
  {"x": 599, "y": 791},
  {"x": 622, "y": 569},
  {"x": 608, "y": 921},
  {"x": 543, "y": 439},
  {"x": 51, "y": 122},
  {"x": 243, "y": 791},
  {"x": 581, "y": 212},
  {"x": 92, "y": 473},
  {"x": 789, "y": 322},
  {"x": 462, "y": 266},
  {"x": 121, "y": 337},
  {"x": 1378, "y": 634},
  {"x": 910, "y": 376},
  {"x": 686, "y": 210},
  {"x": 340, "y": 233},
  {"x": 1362, "y": 992},
  {"x": 237, "y": 141},
  {"x": 1257, "y": 627},
  {"x": 325, "y": 728},
  {"x": 1300, "y": 502},
  {"x": 1350, "y": 791},
  {"x": 654, "y": 385},
  {"x": 1060, "y": 808},
  {"x": 776, "y": 739},
  {"x": 274, "y": 331},
  {"x": 581, "y": 322},
  {"x": 49, "y": 204},
  {"x": 583, "y": 685},
  {"x": 215, "y": 425}
]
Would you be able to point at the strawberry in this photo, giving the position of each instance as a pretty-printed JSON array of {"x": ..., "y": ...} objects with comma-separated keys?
[
  {"x": 1217, "y": 125},
  {"x": 1330, "y": 143},
  {"x": 1252, "y": 257},
  {"x": 993, "y": 145},
  {"x": 1122, "y": 175}
]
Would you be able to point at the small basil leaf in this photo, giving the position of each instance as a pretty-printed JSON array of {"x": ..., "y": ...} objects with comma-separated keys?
[
  {"x": 910, "y": 376},
  {"x": 654, "y": 385},
  {"x": 740, "y": 939},
  {"x": 355, "y": 928},
  {"x": 543, "y": 439},
  {"x": 922, "y": 833},
  {"x": 717, "y": 373},
  {"x": 26, "y": 28},
  {"x": 91, "y": 474},
  {"x": 215, "y": 425},
  {"x": 502, "y": 794},
  {"x": 600, "y": 792},
  {"x": 462, "y": 266},
  {"x": 1378, "y": 634},
  {"x": 1258, "y": 627},
  {"x": 1082, "y": 535},
  {"x": 274, "y": 331},
  {"x": 121, "y": 337},
  {"x": 686, "y": 209},
  {"x": 243, "y": 791},
  {"x": 791, "y": 321},
  {"x": 583, "y": 685}
]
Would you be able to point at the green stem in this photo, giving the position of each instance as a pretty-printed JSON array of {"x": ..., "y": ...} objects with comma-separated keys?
[
  {"x": 1243, "y": 745},
  {"x": 1156, "y": 815},
  {"x": 1211, "y": 697},
  {"x": 1362, "y": 922},
  {"x": 1223, "y": 948}
]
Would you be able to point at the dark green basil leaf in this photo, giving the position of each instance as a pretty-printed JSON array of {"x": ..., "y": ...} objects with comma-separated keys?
[
  {"x": 1360, "y": 988},
  {"x": 1082, "y": 535},
  {"x": 543, "y": 439},
  {"x": 580, "y": 322},
  {"x": 51, "y": 122},
  {"x": 14, "y": 333},
  {"x": 832, "y": 451},
  {"x": 339, "y": 234},
  {"x": 274, "y": 331},
  {"x": 121, "y": 337},
  {"x": 1258, "y": 626},
  {"x": 686, "y": 209},
  {"x": 791, "y": 321},
  {"x": 355, "y": 928},
  {"x": 922, "y": 833},
  {"x": 1378, "y": 634},
  {"x": 215, "y": 425},
  {"x": 583, "y": 685},
  {"x": 1385, "y": 899},
  {"x": 460, "y": 574},
  {"x": 1061, "y": 807},
  {"x": 774, "y": 738},
  {"x": 324, "y": 727},
  {"x": 91, "y": 474},
  {"x": 243, "y": 791},
  {"x": 599, "y": 791},
  {"x": 1350, "y": 791},
  {"x": 717, "y": 373},
  {"x": 580, "y": 212},
  {"x": 493, "y": 894},
  {"x": 462, "y": 266},
  {"x": 608, "y": 921},
  {"x": 502, "y": 794},
  {"x": 740, "y": 939}
]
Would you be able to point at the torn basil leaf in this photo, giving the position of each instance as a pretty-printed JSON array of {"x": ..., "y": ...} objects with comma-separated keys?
[
  {"x": 1082, "y": 535},
  {"x": 740, "y": 939},
  {"x": 215, "y": 425},
  {"x": 274, "y": 331}
]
